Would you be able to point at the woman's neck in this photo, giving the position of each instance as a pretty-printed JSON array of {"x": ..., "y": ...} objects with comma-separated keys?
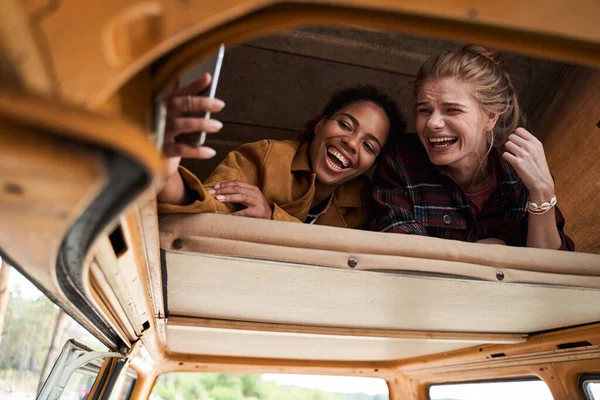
[
  {"x": 322, "y": 193},
  {"x": 471, "y": 176}
]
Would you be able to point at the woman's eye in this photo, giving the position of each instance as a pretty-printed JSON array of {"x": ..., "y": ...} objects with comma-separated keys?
[
  {"x": 370, "y": 148},
  {"x": 453, "y": 111},
  {"x": 345, "y": 126},
  {"x": 424, "y": 111}
]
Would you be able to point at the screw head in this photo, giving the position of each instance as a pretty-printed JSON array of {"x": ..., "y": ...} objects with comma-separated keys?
[
  {"x": 178, "y": 244},
  {"x": 352, "y": 262},
  {"x": 499, "y": 275}
]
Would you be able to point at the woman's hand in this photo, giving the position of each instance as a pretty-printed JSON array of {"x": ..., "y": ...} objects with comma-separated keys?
[
  {"x": 181, "y": 104},
  {"x": 246, "y": 194},
  {"x": 181, "y": 119},
  {"x": 526, "y": 154}
]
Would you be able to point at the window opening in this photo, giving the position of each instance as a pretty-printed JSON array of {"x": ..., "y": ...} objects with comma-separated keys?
[
  {"x": 203, "y": 386},
  {"x": 498, "y": 390}
]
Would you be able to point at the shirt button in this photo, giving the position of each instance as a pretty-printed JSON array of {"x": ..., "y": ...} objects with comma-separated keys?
[{"x": 447, "y": 219}]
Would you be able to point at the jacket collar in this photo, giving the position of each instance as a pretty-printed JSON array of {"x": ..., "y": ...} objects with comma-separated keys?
[{"x": 301, "y": 161}]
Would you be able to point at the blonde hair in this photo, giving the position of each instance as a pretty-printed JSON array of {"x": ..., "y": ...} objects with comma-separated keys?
[{"x": 493, "y": 89}]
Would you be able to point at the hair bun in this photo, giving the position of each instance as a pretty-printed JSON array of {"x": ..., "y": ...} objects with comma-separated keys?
[{"x": 483, "y": 51}]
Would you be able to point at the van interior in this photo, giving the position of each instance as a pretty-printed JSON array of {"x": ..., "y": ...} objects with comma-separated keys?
[{"x": 81, "y": 128}]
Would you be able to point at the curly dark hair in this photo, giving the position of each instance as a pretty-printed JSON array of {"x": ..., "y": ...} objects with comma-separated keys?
[{"x": 371, "y": 94}]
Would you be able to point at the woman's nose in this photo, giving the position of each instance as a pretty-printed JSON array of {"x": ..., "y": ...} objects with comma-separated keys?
[
  {"x": 351, "y": 143},
  {"x": 435, "y": 121}
]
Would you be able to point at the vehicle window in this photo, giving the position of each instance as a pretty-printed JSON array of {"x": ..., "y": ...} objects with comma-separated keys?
[
  {"x": 591, "y": 387},
  {"x": 33, "y": 333},
  {"x": 203, "y": 386},
  {"x": 81, "y": 381},
  {"x": 126, "y": 388},
  {"x": 514, "y": 390}
]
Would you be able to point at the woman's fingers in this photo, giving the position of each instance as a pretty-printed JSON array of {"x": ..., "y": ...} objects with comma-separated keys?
[
  {"x": 518, "y": 140},
  {"x": 524, "y": 134},
  {"x": 525, "y": 153},
  {"x": 188, "y": 125},
  {"x": 511, "y": 159},
  {"x": 513, "y": 148},
  {"x": 246, "y": 194},
  {"x": 185, "y": 151},
  {"x": 235, "y": 190},
  {"x": 183, "y": 105},
  {"x": 195, "y": 87},
  {"x": 239, "y": 198},
  {"x": 170, "y": 90}
]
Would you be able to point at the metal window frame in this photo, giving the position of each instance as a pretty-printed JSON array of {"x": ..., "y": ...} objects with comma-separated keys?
[
  {"x": 584, "y": 383},
  {"x": 73, "y": 356}
]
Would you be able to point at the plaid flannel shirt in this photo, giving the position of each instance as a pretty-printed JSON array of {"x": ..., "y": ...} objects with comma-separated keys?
[{"x": 414, "y": 196}]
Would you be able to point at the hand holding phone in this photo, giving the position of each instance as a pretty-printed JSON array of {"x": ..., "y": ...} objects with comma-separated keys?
[{"x": 210, "y": 64}]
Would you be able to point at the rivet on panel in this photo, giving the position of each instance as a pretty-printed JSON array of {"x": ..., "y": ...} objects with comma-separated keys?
[
  {"x": 500, "y": 275},
  {"x": 472, "y": 13},
  {"x": 352, "y": 262},
  {"x": 13, "y": 188},
  {"x": 178, "y": 244}
]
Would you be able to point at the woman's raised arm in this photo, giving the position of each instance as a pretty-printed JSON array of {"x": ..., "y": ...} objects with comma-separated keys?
[{"x": 182, "y": 104}]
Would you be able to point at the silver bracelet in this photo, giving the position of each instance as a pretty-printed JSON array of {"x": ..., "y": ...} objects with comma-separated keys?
[{"x": 542, "y": 208}]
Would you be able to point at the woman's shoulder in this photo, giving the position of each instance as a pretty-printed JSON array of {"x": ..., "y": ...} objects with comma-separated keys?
[
  {"x": 409, "y": 153},
  {"x": 410, "y": 147},
  {"x": 270, "y": 145},
  {"x": 264, "y": 149}
]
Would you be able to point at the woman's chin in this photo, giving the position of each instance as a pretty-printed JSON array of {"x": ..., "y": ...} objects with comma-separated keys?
[
  {"x": 441, "y": 159},
  {"x": 333, "y": 180}
]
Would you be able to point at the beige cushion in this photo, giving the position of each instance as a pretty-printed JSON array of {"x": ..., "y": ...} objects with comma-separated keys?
[{"x": 332, "y": 247}]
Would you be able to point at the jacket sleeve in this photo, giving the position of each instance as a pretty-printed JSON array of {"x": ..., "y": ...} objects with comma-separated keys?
[
  {"x": 393, "y": 206},
  {"x": 566, "y": 243},
  {"x": 243, "y": 164}
]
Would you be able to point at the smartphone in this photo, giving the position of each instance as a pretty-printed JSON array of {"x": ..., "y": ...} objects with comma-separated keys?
[{"x": 210, "y": 64}]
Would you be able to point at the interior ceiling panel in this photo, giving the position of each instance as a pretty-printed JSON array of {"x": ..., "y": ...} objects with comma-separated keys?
[
  {"x": 228, "y": 342},
  {"x": 253, "y": 290}
]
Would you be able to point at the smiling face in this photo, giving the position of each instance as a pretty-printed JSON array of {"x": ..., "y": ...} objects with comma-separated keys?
[
  {"x": 451, "y": 124},
  {"x": 347, "y": 143}
]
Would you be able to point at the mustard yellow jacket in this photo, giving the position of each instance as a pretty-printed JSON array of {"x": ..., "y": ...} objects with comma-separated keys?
[{"x": 281, "y": 170}]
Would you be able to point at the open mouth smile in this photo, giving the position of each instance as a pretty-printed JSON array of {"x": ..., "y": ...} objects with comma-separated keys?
[
  {"x": 442, "y": 142},
  {"x": 336, "y": 160}
]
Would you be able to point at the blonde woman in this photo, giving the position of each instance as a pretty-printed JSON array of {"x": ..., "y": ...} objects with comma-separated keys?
[{"x": 471, "y": 173}]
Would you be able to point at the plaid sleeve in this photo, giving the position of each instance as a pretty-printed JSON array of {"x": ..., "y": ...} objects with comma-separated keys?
[
  {"x": 393, "y": 206},
  {"x": 566, "y": 243}
]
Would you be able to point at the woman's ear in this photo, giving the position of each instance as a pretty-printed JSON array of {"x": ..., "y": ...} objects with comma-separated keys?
[{"x": 492, "y": 118}]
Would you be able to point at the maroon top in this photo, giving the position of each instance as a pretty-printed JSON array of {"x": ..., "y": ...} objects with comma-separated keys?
[{"x": 478, "y": 198}]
